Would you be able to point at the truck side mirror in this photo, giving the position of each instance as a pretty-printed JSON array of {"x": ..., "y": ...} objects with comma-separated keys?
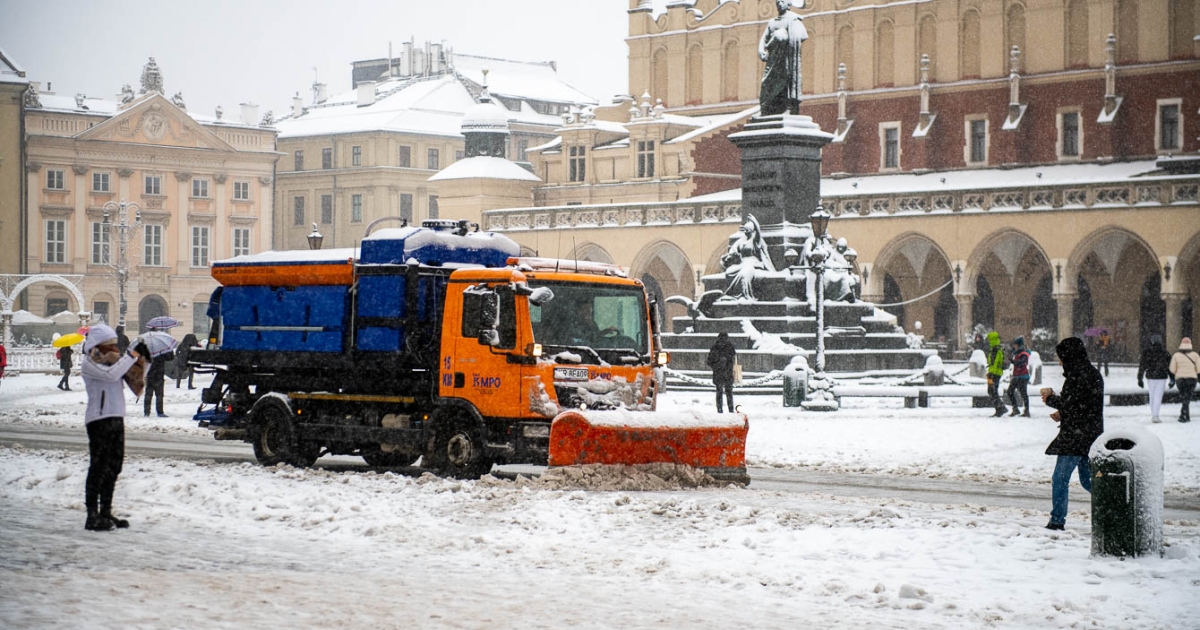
[
  {"x": 537, "y": 297},
  {"x": 481, "y": 307}
]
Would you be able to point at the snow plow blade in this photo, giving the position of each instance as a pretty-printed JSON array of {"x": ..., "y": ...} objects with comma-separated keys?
[{"x": 712, "y": 442}]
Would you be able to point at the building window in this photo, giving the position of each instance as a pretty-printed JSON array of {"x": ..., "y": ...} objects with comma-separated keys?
[
  {"x": 100, "y": 182},
  {"x": 326, "y": 208},
  {"x": 1069, "y": 136},
  {"x": 299, "y": 164},
  {"x": 153, "y": 252},
  {"x": 431, "y": 160},
  {"x": 200, "y": 188},
  {"x": 55, "y": 180},
  {"x": 522, "y": 150},
  {"x": 298, "y": 211},
  {"x": 100, "y": 248},
  {"x": 458, "y": 155},
  {"x": 241, "y": 191},
  {"x": 153, "y": 185},
  {"x": 326, "y": 158},
  {"x": 100, "y": 310},
  {"x": 199, "y": 246},
  {"x": 1169, "y": 125},
  {"x": 406, "y": 207},
  {"x": 889, "y": 145},
  {"x": 356, "y": 156},
  {"x": 577, "y": 165},
  {"x": 405, "y": 156},
  {"x": 56, "y": 242},
  {"x": 645, "y": 158},
  {"x": 433, "y": 206},
  {"x": 241, "y": 241},
  {"x": 356, "y": 208},
  {"x": 54, "y": 306},
  {"x": 977, "y": 141}
]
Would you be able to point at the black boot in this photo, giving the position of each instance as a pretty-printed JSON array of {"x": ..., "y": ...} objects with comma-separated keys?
[
  {"x": 1026, "y": 414},
  {"x": 999, "y": 412},
  {"x": 97, "y": 523},
  {"x": 119, "y": 523},
  {"x": 1015, "y": 412}
]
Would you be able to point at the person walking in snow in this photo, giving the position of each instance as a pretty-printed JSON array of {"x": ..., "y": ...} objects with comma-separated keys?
[
  {"x": 1184, "y": 367},
  {"x": 1080, "y": 418},
  {"x": 179, "y": 368},
  {"x": 995, "y": 369},
  {"x": 721, "y": 358},
  {"x": 3, "y": 359},
  {"x": 154, "y": 383},
  {"x": 65, "y": 364},
  {"x": 104, "y": 369},
  {"x": 1020, "y": 377},
  {"x": 1153, "y": 371}
]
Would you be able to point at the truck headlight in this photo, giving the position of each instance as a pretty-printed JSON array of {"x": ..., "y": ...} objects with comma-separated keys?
[
  {"x": 663, "y": 358},
  {"x": 536, "y": 430}
]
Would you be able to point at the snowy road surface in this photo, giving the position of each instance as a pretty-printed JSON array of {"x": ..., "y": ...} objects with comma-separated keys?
[{"x": 231, "y": 545}]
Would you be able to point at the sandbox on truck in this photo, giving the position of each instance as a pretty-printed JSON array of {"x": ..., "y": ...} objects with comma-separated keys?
[{"x": 442, "y": 344}]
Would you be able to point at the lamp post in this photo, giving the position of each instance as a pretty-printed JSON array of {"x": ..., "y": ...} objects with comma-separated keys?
[
  {"x": 315, "y": 238},
  {"x": 821, "y": 396},
  {"x": 124, "y": 232}
]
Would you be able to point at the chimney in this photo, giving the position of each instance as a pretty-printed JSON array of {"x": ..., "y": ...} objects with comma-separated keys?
[
  {"x": 418, "y": 62},
  {"x": 249, "y": 113},
  {"x": 406, "y": 62},
  {"x": 322, "y": 92},
  {"x": 297, "y": 106},
  {"x": 366, "y": 93},
  {"x": 435, "y": 58}
]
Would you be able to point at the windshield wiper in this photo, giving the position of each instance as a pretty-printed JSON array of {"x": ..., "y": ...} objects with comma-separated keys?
[{"x": 590, "y": 351}]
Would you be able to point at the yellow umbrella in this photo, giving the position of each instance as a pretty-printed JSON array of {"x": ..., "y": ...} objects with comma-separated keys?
[{"x": 67, "y": 340}]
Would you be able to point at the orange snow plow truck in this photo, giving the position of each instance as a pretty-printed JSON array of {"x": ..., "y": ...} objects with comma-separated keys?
[{"x": 442, "y": 344}]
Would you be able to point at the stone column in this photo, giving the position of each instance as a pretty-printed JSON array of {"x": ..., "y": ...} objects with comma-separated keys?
[
  {"x": 965, "y": 304},
  {"x": 1066, "y": 313},
  {"x": 1175, "y": 332}
]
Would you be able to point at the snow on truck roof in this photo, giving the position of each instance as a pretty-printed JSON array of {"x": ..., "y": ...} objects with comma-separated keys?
[{"x": 292, "y": 256}]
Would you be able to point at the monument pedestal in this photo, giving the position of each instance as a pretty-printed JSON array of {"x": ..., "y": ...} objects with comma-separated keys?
[{"x": 781, "y": 178}]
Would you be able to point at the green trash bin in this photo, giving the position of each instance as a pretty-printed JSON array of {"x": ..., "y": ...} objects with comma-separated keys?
[{"x": 1127, "y": 493}]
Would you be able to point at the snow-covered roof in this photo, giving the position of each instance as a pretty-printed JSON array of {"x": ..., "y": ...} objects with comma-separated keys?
[
  {"x": 971, "y": 179},
  {"x": 483, "y": 167},
  {"x": 519, "y": 79},
  {"x": 10, "y": 71},
  {"x": 25, "y": 317},
  {"x": 109, "y": 108},
  {"x": 714, "y": 123}
]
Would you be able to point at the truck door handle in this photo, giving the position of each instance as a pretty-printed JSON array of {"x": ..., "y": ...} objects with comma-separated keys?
[{"x": 460, "y": 380}]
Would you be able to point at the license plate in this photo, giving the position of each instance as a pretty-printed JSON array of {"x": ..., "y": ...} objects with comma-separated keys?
[{"x": 570, "y": 374}]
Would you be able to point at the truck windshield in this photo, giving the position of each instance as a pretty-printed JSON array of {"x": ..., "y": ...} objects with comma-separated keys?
[{"x": 592, "y": 322}]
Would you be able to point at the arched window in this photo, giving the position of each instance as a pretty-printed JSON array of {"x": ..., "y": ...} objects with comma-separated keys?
[
  {"x": 730, "y": 66},
  {"x": 968, "y": 45},
  {"x": 1182, "y": 15},
  {"x": 927, "y": 42},
  {"x": 1077, "y": 34},
  {"x": 695, "y": 75},
  {"x": 885, "y": 75},
  {"x": 658, "y": 78},
  {"x": 1016, "y": 34},
  {"x": 1127, "y": 27},
  {"x": 845, "y": 53}
]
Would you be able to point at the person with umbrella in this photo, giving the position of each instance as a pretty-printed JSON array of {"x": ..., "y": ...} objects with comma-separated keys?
[
  {"x": 65, "y": 363},
  {"x": 159, "y": 346},
  {"x": 104, "y": 370}
]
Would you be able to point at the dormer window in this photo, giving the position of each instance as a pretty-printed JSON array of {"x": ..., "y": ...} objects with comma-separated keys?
[
  {"x": 645, "y": 159},
  {"x": 577, "y": 165}
]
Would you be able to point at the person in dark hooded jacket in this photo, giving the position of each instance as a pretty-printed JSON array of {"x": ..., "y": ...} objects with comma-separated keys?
[
  {"x": 1080, "y": 418},
  {"x": 1153, "y": 372},
  {"x": 721, "y": 358},
  {"x": 1020, "y": 377}
]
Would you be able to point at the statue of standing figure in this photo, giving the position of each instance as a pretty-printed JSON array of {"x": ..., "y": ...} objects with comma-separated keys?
[{"x": 780, "y": 48}]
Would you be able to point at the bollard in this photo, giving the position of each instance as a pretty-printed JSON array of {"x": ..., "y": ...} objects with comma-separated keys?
[
  {"x": 1127, "y": 493},
  {"x": 934, "y": 371},
  {"x": 795, "y": 382}
]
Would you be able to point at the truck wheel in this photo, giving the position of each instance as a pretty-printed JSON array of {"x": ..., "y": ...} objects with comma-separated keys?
[
  {"x": 459, "y": 449},
  {"x": 276, "y": 440},
  {"x": 380, "y": 459}
]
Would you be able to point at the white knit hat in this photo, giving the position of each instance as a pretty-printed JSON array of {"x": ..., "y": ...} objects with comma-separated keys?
[
  {"x": 98, "y": 335},
  {"x": 1185, "y": 343}
]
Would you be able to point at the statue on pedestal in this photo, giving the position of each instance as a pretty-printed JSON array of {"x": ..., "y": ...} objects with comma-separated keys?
[
  {"x": 746, "y": 259},
  {"x": 780, "y": 48}
]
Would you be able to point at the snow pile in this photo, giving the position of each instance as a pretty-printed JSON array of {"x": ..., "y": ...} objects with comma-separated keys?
[
  {"x": 770, "y": 342},
  {"x": 606, "y": 478}
]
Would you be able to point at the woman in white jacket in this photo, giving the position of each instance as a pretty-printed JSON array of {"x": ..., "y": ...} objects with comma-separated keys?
[
  {"x": 104, "y": 371},
  {"x": 1184, "y": 367}
]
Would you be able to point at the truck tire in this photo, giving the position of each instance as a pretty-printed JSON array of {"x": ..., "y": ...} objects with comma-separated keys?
[
  {"x": 275, "y": 439},
  {"x": 458, "y": 448}
]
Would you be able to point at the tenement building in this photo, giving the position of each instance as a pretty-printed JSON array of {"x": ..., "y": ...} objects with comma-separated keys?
[
  {"x": 368, "y": 154},
  {"x": 1030, "y": 166},
  {"x": 139, "y": 186}
]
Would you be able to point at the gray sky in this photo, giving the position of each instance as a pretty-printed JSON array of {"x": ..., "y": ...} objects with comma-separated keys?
[{"x": 263, "y": 51}]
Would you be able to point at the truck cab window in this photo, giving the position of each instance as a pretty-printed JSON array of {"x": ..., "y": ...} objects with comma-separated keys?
[{"x": 472, "y": 304}]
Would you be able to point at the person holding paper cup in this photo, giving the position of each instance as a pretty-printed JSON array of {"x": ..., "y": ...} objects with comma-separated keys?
[{"x": 1080, "y": 417}]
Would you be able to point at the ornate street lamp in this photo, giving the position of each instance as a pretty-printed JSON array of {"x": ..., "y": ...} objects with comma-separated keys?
[
  {"x": 315, "y": 239},
  {"x": 822, "y": 398},
  {"x": 124, "y": 231}
]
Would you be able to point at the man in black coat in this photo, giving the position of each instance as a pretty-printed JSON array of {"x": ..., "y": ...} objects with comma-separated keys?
[
  {"x": 721, "y": 358},
  {"x": 65, "y": 364},
  {"x": 1154, "y": 370},
  {"x": 154, "y": 383},
  {"x": 1080, "y": 418}
]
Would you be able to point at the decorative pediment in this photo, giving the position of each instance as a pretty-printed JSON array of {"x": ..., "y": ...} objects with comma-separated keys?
[{"x": 154, "y": 120}]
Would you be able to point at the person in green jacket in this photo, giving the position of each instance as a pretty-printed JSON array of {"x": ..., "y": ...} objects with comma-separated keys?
[{"x": 994, "y": 371}]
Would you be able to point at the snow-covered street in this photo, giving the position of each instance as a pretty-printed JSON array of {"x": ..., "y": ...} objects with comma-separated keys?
[{"x": 238, "y": 545}]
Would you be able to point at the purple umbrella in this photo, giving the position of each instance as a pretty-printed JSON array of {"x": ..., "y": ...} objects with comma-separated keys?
[
  {"x": 162, "y": 322},
  {"x": 1095, "y": 331}
]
